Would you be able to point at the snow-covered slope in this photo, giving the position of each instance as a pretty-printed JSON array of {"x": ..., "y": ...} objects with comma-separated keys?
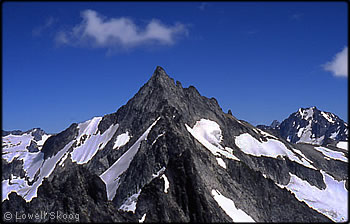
[
  {"x": 81, "y": 149},
  {"x": 25, "y": 147}
]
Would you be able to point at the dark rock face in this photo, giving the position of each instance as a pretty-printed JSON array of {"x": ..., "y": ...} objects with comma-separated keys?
[
  {"x": 76, "y": 192},
  {"x": 191, "y": 170},
  {"x": 15, "y": 132},
  {"x": 14, "y": 168},
  {"x": 37, "y": 133},
  {"x": 56, "y": 142},
  {"x": 282, "y": 200},
  {"x": 33, "y": 147},
  {"x": 275, "y": 124}
]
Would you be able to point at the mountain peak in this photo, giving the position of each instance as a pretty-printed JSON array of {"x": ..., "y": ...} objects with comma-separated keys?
[
  {"x": 314, "y": 126},
  {"x": 160, "y": 79},
  {"x": 159, "y": 72},
  {"x": 307, "y": 113},
  {"x": 159, "y": 69},
  {"x": 275, "y": 124},
  {"x": 308, "y": 109}
]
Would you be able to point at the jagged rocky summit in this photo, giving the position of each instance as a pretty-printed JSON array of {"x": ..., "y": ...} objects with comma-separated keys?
[
  {"x": 172, "y": 155},
  {"x": 313, "y": 126}
]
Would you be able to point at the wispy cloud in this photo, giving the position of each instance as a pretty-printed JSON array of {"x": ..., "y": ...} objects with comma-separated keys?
[
  {"x": 339, "y": 64},
  {"x": 96, "y": 31},
  {"x": 37, "y": 31},
  {"x": 203, "y": 6},
  {"x": 296, "y": 16}
]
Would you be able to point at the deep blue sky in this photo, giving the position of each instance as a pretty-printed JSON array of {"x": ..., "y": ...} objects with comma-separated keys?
[{"x": 261, "y": 60}]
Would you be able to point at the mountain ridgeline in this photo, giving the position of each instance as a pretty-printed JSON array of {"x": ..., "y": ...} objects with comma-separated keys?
[
  {"x": 310, "y": 125},
  {"x": 172, "y": 155}
]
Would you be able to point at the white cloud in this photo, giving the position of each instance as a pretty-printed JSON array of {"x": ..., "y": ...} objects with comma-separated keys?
[
  {"x": 339, "y": 65},
  {"x": 97, "y": 31}
]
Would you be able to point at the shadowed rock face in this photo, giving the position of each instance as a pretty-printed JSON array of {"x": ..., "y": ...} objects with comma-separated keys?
[
  {"x": 191, "y": 170},
  {"x": 56, "y": 142}
]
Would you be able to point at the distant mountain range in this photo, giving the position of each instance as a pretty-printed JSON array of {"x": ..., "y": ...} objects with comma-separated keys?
[
  {"x": 310, "y": 125},
  {"x": 172, "y": 155},
  {"x": 32, "y": 140}
]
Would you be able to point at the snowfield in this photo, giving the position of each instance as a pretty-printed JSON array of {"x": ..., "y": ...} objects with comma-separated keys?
[
  {"x": 89, "y": 141},
  {"x": 237, "y": 215},
  {"x": 332, "y": 201},
  {"x": 208, "y": 133},
  {"x": 221, "y": 162},
  {"x": 14, "y": 146},
  {"x": 12, "y": 185},
  {"x": 121, "y": 140},
  {"x": 130, "y": 204},
  {"x": 208, "y": 130},
  {"x": 271, "y": 148},
  {"x": 343, "y": 145},
  {"x": 331, "y": 154}
]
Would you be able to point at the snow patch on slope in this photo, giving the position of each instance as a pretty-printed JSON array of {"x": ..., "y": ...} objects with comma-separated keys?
[
  {"x": 142, "y": 218},
  {"x": 14, "y": 146},
  {"x": 209, "y": 130},
  {"x": 343, "y": 145},
  {"x": 208, "y": 133},
  {"x": 166, "y": 183},
  {"x": 12, "y": 185},
  {"x": 306, "y": 162},
  {"x": 307, "y": 113},
  {"x": 90, "y": 140},
  {"x": 221, "y": 162},
  {"x": 158, "y": 173},
  {"x": 155, "y": 140},
  {"x": 271, "y": 148},
  {"x": 237, "y": 215},
  {"x": 328, "y": 153},
  {"x": 41, "y": 142},
  {"x": 130, "y": 204},
  {"x": 111, "y": 175},
  {"x": 305, "y": 134},
  {"x": 45, "y": 171},
  {"x": 329, "y": 118},
  {"x": 89, "y": 127},
  {"x": 32, "y": 163},
  {"x": 332, "y": 201},
  {"x": 334, "y": 134},
  {"x": 28, "y": 192},
  {"x": 121, "y": 140}
]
